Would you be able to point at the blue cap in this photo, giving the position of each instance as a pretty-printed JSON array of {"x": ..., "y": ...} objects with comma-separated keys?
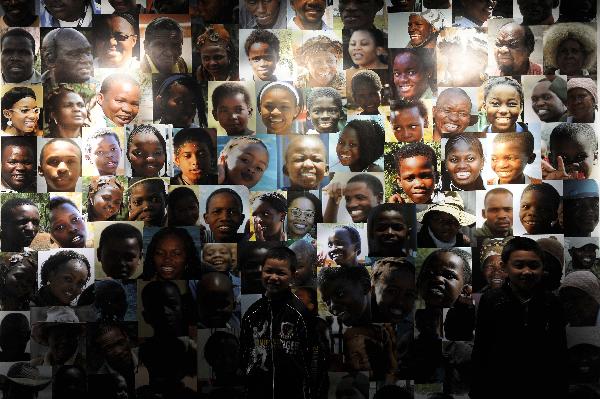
[{"x": 573, "y": 189}]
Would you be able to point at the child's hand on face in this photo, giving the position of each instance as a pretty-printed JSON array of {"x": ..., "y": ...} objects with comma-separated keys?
[
  {"x": 550, "y": 173},
  {"x": 396, "y": 199},
  {"x": 258, "y": 229}
]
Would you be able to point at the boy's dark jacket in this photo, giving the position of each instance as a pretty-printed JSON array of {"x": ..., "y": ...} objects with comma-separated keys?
[
  {"x": 276, "y": 329},
  {"x": 520, "y": 349}
]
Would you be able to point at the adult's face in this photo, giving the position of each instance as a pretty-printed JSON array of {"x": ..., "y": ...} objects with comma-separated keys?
[
  {"x": 389, "y": 233},
  {"x": 115, "y": 346},
  {"x": 17, "y": 10},
  {"x": 70, "y": 111},
  {"x": 121, "y": 102},
  {"x": 511, "y": 54},
  {"x": 419, "y": 30},
  {"x": 584, "y": 257},
  {"x": 164, "y": 49},
  {"x": 60, "y": 164},
  {"x": 24, "y": 115},
  {"x": 581, "y": 105},
  {"x": 546, "y": 104},
  {"x": 452, "y": 113},
  {"x": 17, "y": 59},
  {"x": 115, "y": 42},
  {"x": 535, "y": 11},
  {"x": 18, "y": 166},
  {"x": 309, "y": 12},
  {"x": 301, "y": 217},
  {"x": 66, "y": 10},
  {"x": 23, "y": 225},
  {"x": 570, "y": 57},
  {"x": 74, "y": 60},
  {"x": 357, "y": 14},
  {"x": 122, "y": 6},
  {"x": 498, "y": 213},
  {"x": 264, "y": 11}
]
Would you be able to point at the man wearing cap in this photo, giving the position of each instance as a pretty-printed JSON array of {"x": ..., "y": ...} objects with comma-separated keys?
[
  {"x": 580, "y": 296},
  {"x": 423, "y": 28},
  {"x": 580, "y": 207},
  {"x": 548, "y": 99},
  {"x": 442, "y": 222},
  {"x": 23, "y": 381},
  {"x": 583, "y": 255},
  {"x": 582, "y": 100},
  {"x": 554, "y": 259}
]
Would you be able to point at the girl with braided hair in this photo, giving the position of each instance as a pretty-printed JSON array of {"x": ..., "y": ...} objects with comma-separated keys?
[
  {"x": 147, "y": 152},
  {"x": 64, "y": 275},
  {"x": 104, "y": 199},
  {"x": 503, "y": 105}
]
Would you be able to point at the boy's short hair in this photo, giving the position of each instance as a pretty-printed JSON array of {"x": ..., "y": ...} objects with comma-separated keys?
[
  {"x": 55, "y": 140},
  {"x": 496, "y": 190},
  {"x": 402, "y": 104},
  {"x": 524, "y": 139},
  {"x": 228, "y": 191},
  {"x": 103, "y": 132},
  {"x": 373, "y": 183},
  {"x": 406, "y": 210},
  {"x": 59, "y": 201},
  {"x": 465, "y": 256},
  {"x": 384, "y": 268},
  {"x": 214, "y": 344},
  {"x": 412, "y": 150},
  {"x": 357, "y": 274},
  {"x": 579, "y": 132},
  {"x": 283, "y": 253},
  {"x": 151, "y": 293},
  {"x": 275, "y": 200},
  {"x": 262, "y": 36},
  {"x": 520, "y": 243},
  {"x": 154, "y": 182},
  {"x": 547, "y": 190},
  {"x": 120, "y": 231},
  {"x": 10, "y": 204},
  {"x": 319, "y": 92},
  {"x": 18, "y": 32},
  {"x": 192, "y": 135},
  {"x": 366, "y": 76},
  {"x": 230, "y": 89}
]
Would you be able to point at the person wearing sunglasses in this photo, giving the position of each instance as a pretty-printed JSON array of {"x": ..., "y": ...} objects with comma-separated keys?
[
  {"x": 20, "y": 112},
  {"x": 116, "y": 41}
]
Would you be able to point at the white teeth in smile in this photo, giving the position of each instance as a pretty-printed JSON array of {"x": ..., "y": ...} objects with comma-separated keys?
[
  {"x": 355, "y": 213},
  {"x": 299, "y": 226},
  {"x": 542, "y": 111},
  {"x": 307, "y": 174},
  {"x": 224, "y": 228},
  {"x": 396, "y": 312},
  {"x": 405, "y": 88},
  {"x": 463, "y": 175},
  {"x": 451, "y": 127},
  {"x": 167, "y": 269},
  {"x": 76, "y": 239},
  {"x": 276, "y": 120},
  {"x": 529, "y": 223},
  {"x": 344, "y": 156},
  {"x": 503, "y": 174}
]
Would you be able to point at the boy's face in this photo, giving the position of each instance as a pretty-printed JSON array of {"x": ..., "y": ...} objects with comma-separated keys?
[
  {"x": 341, "y": 248},
  {"x": 193, "y": 159},
  {"x": 408, "y": 125},
  {"x": 536, "y": 213},
  {"x": 306, "y": 162},
  {"x": 360, "y": 200},
  {"x": 147, "y": 204},
  {"x": 233, "y": 114},
  {"x": 18, "y": 169},
  {"x": 498, "y": 213},
  {"x": 120, "y": 257},
  {"x": 166, "y": 313},
  {"x": 395, "y": 295},
  {"x": 278, "y": 110},
  {"x": 416, "y": 177},
  {"x": 121, "y": 102},
  {"x": 442, "y": 280},
  {"x": 325, "y": 115},
  {"x": 346, "y": 299},
  {"x": 23, "y": 226},
  {"x": 218, "y": 255},
  {"x": 185, "y": 212},
  {"x": 60, "y": 164},
  {"x": 367, "y": 97},
  {"x": 578, "y": 159},
  {"x": 263, "y": 60},
  {"x": 390, "y": 232},
  {"x": 493, "y": 271},
  {"x": 105, "y": 155},
  {"x": 276, "y": 276},
  {"x": 525, "y": 270},
  {"x": 509, "y": 160},
  {"x": 357, "y": 14},
  {"x": 452, "y": 113},
  {"x": 584, "y": 257},
  {"x": 546, "y": 104},
  {"x": 67, "y": 227},
  {"x": 223, "y": 216},
  {"x": 216, "y": 302}
]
